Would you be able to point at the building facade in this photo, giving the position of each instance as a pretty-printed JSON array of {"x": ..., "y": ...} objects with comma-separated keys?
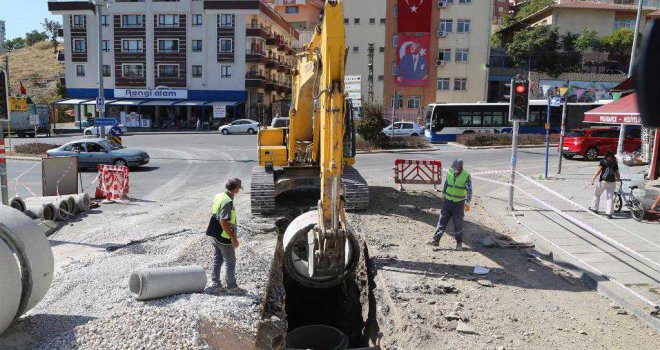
[
  {"x": 457, "y": 56},
  {"x": 500, "y": 9},
  {"x": 173, "y": 61},
  {"x": 302, "y": 15}
]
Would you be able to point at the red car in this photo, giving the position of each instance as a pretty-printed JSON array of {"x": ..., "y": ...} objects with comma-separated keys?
[{"x": 592, "y": 143}]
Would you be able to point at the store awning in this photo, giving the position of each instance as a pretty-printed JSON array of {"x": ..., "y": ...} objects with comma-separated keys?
[
  {"x": 93, "y": 102},
  {"x": 73, "y": 101},
  {"x": 622, "y": 111},
  {"x": 221, "y": 103},
  {"x": 127, "y": 102},
  {"x": 190, "y": 103},
  {"x": 160, "y": 103}
]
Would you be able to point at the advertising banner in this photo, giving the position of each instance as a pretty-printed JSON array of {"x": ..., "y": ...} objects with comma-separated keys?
[
  {"x": 219, "y": 111},
  {"x": 414, "y": 15},
  {"x": 413, "y": 59},
  {"x": 17, "y": 104}
]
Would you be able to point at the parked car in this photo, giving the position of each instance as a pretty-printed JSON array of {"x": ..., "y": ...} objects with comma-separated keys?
[
  {"x": 96, "y": 130},
  {"x": 240, "y": 126},
  {"x": 91, "y": 152},
  {"x": 593, "y": 143},
  {"x": 403, "y": 129}
]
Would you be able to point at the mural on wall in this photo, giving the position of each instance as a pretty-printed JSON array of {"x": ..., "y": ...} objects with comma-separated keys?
[
  {"x": 413, "y": 59},
  {"x": 578, "y": 91}
]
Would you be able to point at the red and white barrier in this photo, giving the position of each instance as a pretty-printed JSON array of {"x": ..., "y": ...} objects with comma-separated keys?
[
  {"x": 113, "y": 182},
  {"x": 417, "y": 172}
]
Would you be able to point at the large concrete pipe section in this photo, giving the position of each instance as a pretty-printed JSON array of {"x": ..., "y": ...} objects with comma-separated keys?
[
  {"x": 45, "y": 211},
  {"x": 317, "y": 337},
  {"x": 82, "y": 202},
  {"x": 297, "y": 251},
  {"x": 159, "y": 282},
  {"x": 32, "y": 256},
  {"x": 17, "y": 203},
  {"x": 63, "y": 209},
  {"x": 10, "y": 288}
]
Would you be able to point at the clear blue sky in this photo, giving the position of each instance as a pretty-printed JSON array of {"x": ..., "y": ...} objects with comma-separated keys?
[{"x": 24, "y": 16}]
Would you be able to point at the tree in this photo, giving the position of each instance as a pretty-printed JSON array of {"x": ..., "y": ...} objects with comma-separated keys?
[
  {"x": 371, "y": 124},
  {"x": 571, "y": 56},
  {"x": 588, "y": 39},
  {"x": 34, "y": 37},
  {"x": 52, "y": 27},
  {"x": 538, "y": 48},
  {"x": 14, "y": 44},
  {"x": 618, "y": 44},
  {"x": 531, "y": 7}
]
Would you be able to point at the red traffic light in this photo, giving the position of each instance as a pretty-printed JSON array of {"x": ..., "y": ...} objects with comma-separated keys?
[{"x": 520, "y": 88}]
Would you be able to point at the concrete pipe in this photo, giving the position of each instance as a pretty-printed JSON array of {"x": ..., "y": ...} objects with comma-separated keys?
[
  {"x": 44, "y": 211},
  {"x": 10, "y": 288},
  {"x": 17, "y": 203},
  {"x": 159, "y": 282},
  {"x": 82, "y": 202},
  {"x": 317, "y": 337},
  {"x": 63, "y": 209},
  {"x": 34, "y": 256}
]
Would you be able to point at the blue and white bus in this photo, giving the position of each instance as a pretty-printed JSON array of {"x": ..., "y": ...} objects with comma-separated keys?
[{"x": 445, "y": 121}]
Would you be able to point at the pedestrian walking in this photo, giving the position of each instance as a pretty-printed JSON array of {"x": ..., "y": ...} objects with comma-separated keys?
[
  {"x": 222, "y": 229},
  {"x": 458, "y": 193},
  {"x": 607, "y": 174},
  {"x": 199, "y": 124}
]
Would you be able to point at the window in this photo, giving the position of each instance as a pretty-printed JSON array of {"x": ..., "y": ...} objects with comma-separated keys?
[
  {"x": 196, "y": 71},
  {"x": 372, "y": 21},
  {"x": 80, "y": 70},
  {"x": 132, "y": 45},
  {"x": 131, "y": 20},
  {"x": 394, "y": 68},
  {"x": 346, "y": 20},
  {"x": 413, "y": 102},
  {"x": 446, "y": 25},
  {"x": 460, "y": 84},
  {"x": 225, "y": 71},
  {"x": 132, "y": 71},
  {"x": 168, "y": 20},
  {"x": 79, "y": 45},
  {"x": 395, "y": 41},
  {"x": 226, "y": 45},
  {"x": 197, "y": 46},
  {"x": 444, "y": 55},
  {"x": 197, "y": 20},
  {"x": 443, "y": 83},
  {"x": 79, "y": 21},
  {"x": 381, "y": 49},
  {"x": 226, "y": 20},
  {"x": 397, "y": 102},
  {"x": 462, "y": 55},
  {"x": 382, "y": 21},
  {"x": 168, "y": 45},
  {"x": 105, "y": 20},
  {"x": 623, "y": 23},
  {"x": 463, "y": 26},
  {"x": 255, "y": 46},
  {"x": 291, "y": 9},
  {"x": 356, "y": 49},
  {"x": 395, "y": 10},
  {"x": 464, "y": 1},
  {"x": 356, "y": 21},
  {"x": 106, "y": 70},
  {"x": 168, "y": 70},
  {"x": 105, "y": 45},
  {"x": 381, "y": 77}
]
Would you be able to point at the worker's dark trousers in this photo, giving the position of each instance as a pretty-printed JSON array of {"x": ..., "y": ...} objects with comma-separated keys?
[
  {"x": 454, "y": 211},
  {"x": 224, "y": 254}
]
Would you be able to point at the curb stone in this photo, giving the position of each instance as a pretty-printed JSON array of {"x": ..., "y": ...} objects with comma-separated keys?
[{"x": 498, "y": 147}]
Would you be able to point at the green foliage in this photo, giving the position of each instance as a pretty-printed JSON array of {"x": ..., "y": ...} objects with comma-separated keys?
[
  {"x": 34, "y": 148},
  {"x": 531, "y": 7},
  {"x": 51, "y": 27},
  {"x": 571, "y": 56},
  {"x": 34, "y": 37},
  {"x": 472, "y": 140},
  {"x": 588, "y": 39},
  {"x": 618, "y": 44},
  {"x": 538, "y": 46},
  {"x": 371, "y": 124},
  {"x": 496, "y": 40},
  {"x": 14, "y": 44}
]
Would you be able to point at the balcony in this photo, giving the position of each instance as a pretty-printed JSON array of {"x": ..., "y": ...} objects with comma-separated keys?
[
  {"x": 256, "y": 56},
  {"x": 272, "y": 39},
  {"x": 257, "y": 31},
  {"x": 254, "y": 80}
]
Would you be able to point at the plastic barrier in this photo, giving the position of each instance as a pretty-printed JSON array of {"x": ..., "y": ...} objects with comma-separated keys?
[
  {"x": 113, "y": 182},
  {"x": 417, "y": 172}
]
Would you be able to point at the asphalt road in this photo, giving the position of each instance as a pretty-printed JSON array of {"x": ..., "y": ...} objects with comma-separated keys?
[{"x": 181, "y": 162}]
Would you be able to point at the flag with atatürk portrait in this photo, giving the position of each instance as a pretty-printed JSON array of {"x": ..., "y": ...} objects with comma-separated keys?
[
  {"x": 415, "y": 15},
  {"x": 413, "y": 59}
]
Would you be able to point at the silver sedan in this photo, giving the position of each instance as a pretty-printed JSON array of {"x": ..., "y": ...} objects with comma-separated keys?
[{"x": 91, "y": 152}]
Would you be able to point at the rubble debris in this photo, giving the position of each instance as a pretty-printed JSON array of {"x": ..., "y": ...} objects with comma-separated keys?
[
  {"x": 465, "y": 328},
  {"x": 485, "y": 283}
]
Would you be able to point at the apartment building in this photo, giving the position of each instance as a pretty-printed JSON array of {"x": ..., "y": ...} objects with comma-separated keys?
[
  {"x": 302, "y": 15},
  {"x": 457, "y": 56},
  {"x": 2, "y": 35},
  {"x": 500, "y": 9},
  {"x": 173, "y": 62}
]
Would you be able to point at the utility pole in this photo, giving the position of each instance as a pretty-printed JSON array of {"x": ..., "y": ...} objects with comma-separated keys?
[
  {"x": 518, "y": 112},
  {"x": 4, "y": 114},
  {"x": 562, "y": 131},
  {"x": 7, "y": 73},
  {"x": 99, "y": 5},
  {"x": 371, "y": 73}
]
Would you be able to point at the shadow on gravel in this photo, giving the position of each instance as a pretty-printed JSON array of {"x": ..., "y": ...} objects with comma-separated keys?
[
  {"x": 516, "y": 269},
  {"x": 24, "y": 333}
]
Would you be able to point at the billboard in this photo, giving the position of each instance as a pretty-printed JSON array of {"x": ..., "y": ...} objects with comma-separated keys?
[
  {"x": 413, "y": 59},
  {"x": 578, "y": 91}
]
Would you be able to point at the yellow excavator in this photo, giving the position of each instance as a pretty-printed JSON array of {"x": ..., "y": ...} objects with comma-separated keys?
[{"x": 317, "y": 149}]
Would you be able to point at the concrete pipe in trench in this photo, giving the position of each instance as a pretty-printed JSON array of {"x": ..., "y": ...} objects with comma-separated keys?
[
  {"x": 45, "y": 211},
  {"x": 82, "y": 202},
  {"x": 17, "y": 203},
  {"x": 63, "y": 209},
  {"x": 159, "y": 282},
  {"x": 24, "y": 247},
  {"x": 317, "y": 337}
]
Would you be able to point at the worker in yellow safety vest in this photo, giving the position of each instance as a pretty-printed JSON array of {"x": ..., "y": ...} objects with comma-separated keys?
[
  {"x": 222, "y": 229},
  {"x": 458, "y": 193}
]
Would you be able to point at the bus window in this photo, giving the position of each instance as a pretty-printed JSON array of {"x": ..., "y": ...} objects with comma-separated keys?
[
  {"x": 476, "y": 119},
  {"x": 488, "y": 118},
  {"x": 498, "y": 119},
  {"x": 464, "y": 119},
  {"x": 535, "y": 117}
]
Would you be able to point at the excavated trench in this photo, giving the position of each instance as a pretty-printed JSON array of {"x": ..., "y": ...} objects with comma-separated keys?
[{"x": 349, "y": 307}]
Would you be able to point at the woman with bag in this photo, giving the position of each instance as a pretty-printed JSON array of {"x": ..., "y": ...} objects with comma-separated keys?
[{"x": 608, "y": 173}]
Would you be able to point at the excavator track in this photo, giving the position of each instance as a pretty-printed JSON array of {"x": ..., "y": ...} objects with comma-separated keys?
[
  {"x": 354, "y": 190},
  {"x": 262, "y": 195}
]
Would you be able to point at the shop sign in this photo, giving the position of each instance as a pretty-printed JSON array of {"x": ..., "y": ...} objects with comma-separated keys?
[
  {"x": 219, "y": 111},
  {"x": 161, "y": 93}
]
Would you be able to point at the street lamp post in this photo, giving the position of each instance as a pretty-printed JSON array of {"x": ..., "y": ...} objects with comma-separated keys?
[{"x": 99, "y": 4}]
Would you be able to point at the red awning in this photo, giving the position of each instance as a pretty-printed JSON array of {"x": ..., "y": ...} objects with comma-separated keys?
[{"x": 623, "y": 111}]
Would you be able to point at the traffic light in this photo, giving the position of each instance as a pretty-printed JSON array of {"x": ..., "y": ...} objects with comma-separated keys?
[
  {"x": 519, "y": 103},
  {"x": 4, "y": 96}
]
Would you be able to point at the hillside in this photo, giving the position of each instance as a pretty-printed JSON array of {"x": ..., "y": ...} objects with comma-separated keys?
[{"x": 37, "y": 67}]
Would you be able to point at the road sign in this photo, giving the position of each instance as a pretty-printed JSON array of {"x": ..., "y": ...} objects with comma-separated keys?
[
  {"x": 34, "y": 119},
  {"x": 116, "y": 131},
  {"x": 116, "y": 139},
  {"x": 105, "y": 122},
  {"x": 100, "y": 104},
  {"x": 18, "y": 104},
  {"x": 556, "y": 101}
]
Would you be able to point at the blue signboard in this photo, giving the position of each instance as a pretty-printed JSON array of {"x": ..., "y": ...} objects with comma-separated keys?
[
  {"x": 105, "y": 122},
  {"x": 116, "y": 131}
]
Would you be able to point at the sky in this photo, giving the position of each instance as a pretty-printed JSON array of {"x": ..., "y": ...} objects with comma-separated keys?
[{"x": 22, "y": 16}]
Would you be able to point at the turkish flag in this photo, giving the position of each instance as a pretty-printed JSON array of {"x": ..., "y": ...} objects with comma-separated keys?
[
  {"x": 23, "y": 90},
  {"x": 414, "y": 16},
  {"x": 413, "y": 59}
]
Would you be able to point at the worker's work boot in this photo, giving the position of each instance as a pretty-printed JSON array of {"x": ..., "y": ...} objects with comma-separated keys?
[
  {"x": 235, "y": 291},
  {"x": 459, "y": 246},
  {"x": 433, "y": 243}
]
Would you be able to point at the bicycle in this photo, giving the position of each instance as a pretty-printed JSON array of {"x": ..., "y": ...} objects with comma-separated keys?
[{"x": 633, "y": 204}]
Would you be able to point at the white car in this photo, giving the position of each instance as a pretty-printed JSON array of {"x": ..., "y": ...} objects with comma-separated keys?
[
  {"x": 240, "y": 126},
  {"x": 403, "y": 129},
  {"x": 96, "y": 130}
]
